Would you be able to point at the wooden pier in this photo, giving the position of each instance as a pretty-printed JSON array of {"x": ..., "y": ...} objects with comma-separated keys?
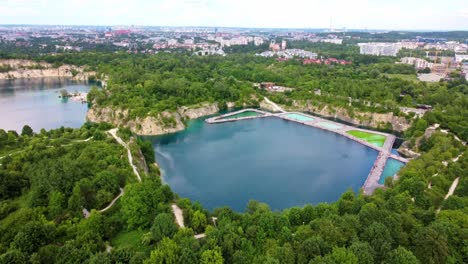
[{"x": 372, "y": 181}]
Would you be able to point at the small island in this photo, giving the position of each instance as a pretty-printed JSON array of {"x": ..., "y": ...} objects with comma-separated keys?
[{"x": 75, "y": 97}]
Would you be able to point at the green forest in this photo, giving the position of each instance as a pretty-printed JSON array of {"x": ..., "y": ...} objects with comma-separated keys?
[
  {"x": 71, "y": 195},
  {"x": 48, "y": 179}
]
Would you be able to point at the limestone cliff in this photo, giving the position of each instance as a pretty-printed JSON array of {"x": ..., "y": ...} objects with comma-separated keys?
[
  {"x": 163, "y": 123},
  {"x": 374, "y": 120},
  {"x": 25, "y": 69}
]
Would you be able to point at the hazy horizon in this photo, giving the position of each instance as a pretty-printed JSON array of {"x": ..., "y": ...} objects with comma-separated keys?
[{"x": 397, "y": 15}]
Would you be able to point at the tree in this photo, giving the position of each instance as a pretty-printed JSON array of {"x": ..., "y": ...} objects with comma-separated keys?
[
  {"x": 401, "y": 255},
  {"x": 198, "y": 221},
  {"x": 163, "y": 226},
  {"x": 140, "y": 203},
  {"x": 33, "y": 236},
  {"x": 56, "y": 204},
  {"x": 430, "y": 246},
  {"x": 378, "y": 236},
  {"x": 27, "y": 131},
  {"x": 167, "y": 252},
  {"x": 363, "y": 251},
  {"x": 212, "y": 257},
  {"x": 339, "y": 255},
  {"x": 13, "y": 257}
]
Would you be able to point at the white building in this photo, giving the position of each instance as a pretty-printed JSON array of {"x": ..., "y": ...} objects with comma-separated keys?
[
  {"x": 417, "y": 62},
  {"x": 409, "y": 44},
  {"x": 172, "y": 42},
  {"x": 461, "y": 57},
  {"x": 210, "y": 51},
  {"x": 258, "y": 41},
  {"x": 189, "y": 41},
  {"x": 333, "y": 41},
  {"x": 379, "y": 48}
]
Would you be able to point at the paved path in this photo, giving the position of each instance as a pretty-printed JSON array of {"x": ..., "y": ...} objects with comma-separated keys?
[
  {"x": 452, "y": 188},
  {"x": 450, "y": 191},
  {"x": 225, "y": 118},
  {"x": 178, "y": 215},
  {"x": 275, "y": 106},
  {"x": 113, "y": 201},
  {"x": 113, "y": 133}
]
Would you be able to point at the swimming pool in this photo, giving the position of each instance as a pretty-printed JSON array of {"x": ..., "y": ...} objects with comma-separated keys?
[
  {"x": 299, "y": 117},
  {"x": 391, "y": 168},
  {"x": 329, "y": 125}
]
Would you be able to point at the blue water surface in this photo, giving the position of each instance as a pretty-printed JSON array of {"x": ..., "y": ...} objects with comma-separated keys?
[
  {"x": 279, "y": 162},
  {"x": 35, "y": 102}
]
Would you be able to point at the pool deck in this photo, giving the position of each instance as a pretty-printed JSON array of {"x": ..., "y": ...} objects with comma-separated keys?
[{"x": 372, "y": 181}]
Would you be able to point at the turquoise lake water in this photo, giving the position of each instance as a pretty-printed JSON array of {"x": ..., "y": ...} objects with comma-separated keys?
[
  {"x": 269, "y": 159},
  {"x": 391, "y": 168},
  {"x": 35, "y": 103}
]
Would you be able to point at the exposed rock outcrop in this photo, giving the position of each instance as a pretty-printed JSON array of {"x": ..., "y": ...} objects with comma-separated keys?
[
  {"x": 375, "y": 120},
  {"x": 164, "y": 123},
  {"x": 25, "y": 69}
]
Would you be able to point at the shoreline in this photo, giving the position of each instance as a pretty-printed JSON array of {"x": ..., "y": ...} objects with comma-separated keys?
[{"x": 384, "y": 153}]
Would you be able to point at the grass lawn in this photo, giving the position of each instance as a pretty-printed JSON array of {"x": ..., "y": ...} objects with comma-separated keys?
[
  {"x": 130, "y": 239},
  {"x": 377, "y": 140},
  {"x": 406, "y": 77}
]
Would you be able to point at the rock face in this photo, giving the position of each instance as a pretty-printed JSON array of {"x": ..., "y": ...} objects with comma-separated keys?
[
  {"x": 25, "y": 69},
  {"x": 166, "y": 122},
  {"x": 360, "y": 118}
]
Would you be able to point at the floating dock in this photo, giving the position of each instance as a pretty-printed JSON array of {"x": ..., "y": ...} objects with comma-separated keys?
[{"x": 372, "y": 181}]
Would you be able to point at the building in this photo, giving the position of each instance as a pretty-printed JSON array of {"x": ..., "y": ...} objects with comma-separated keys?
[
  {"x": 209, "y": 52},
  {"x": 272, "y": 87},
  {"x": 172, "y": 42},
  {"x": 461, "y": 57},
  {"x": 410, "y": 44},
  {"x": 283, "y": 44},
  {"x": 287, "y": 54},
  {"x": 417, "y": 62},
  {"x": 333, "y": 41},
  {"x": 379, "y": 48},
  {"x": 258, "y": 41}
]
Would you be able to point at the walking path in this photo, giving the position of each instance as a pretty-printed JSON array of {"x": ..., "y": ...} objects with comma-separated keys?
[
  {"x": 113, "y": 201},
  {"x": 275, "y": 106},
  {"x": 178, "y": 215},
  {"x": 225, "y": 118},
  {"x": 113, "y": 133},
  {"x": 372, "y": 181},
  {"x": 452, "y": 188},
  {"x": 450, "y": 192}
]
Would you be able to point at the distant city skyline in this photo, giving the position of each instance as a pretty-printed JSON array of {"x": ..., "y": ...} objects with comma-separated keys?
[{"x": 352, "y": 14}]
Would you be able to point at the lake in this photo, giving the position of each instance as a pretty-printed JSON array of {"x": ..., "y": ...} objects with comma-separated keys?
[
  {"x": 35, "y": 102},
  {"x": 271, "y": 160}
]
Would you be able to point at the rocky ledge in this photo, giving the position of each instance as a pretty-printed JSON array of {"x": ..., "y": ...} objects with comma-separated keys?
[
  {"x": 26, "y": 69},
  {"x": 164, "y": 123}
]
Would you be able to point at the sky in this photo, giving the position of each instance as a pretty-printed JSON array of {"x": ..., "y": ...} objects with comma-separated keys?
[{"x": 352, "y": 14}]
